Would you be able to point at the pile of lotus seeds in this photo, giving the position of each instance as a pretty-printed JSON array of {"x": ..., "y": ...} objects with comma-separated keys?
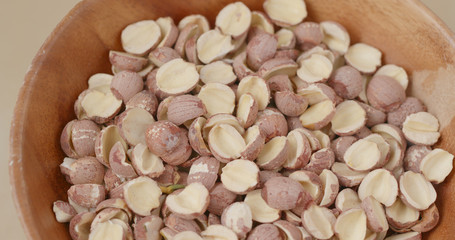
[{"x": 266, "y": 127}]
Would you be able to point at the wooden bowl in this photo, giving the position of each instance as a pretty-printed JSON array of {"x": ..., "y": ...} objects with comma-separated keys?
[{"x": 406, "y": 32}]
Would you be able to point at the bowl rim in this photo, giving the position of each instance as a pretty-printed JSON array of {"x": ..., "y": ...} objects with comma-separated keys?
[{"x": 17, "y": 184}]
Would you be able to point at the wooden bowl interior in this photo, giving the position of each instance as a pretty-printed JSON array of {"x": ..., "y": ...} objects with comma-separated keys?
[{"x": 405, "y": 31}]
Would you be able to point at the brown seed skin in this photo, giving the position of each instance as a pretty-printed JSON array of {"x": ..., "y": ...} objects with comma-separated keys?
[
  {"x": 272, "y": 123},
  {"x": 150, "y": 84},
  {"x": 346, "y": 81},
  {"x": 150, "y": 81},
  {"x": 139, "y": 162},
  {"x": 213, "y": 219},
  {"x": 87, "y": 170},
  {"x": 195, "y": 137},
  {"x": 220, "y": 198},
  {"x": 320, "y": 160},
  {"x": 241, "y": 70},
  {"x": 185, "y": 33},
  {"x": 290, "y": 104},
  {"x": 287, "y": 53},
  {"x": 278, "y": 160},
  {"x": 207, "y": 178},
  {"x": 265, "y": 231},
  {"x": 151, "y": 231},
  {"x": 340, "y": 145},
  {"x": 145, "y": 100},
  {"x": 125, "y": 61},
  {"x": 373, "y": 222},
  {"x": 83, "y": 137},
  {"x": 332, "y": 195},
  {"x": 109, "y": 214},
  {"x": 111, "y": 180},
  {"x": 385, "y": 93},
  {"x": 168, "y": 233},
  {"x": 126, "y": 84},
  {"x": 294, "y": 123},
  {"x": 78, "y": 138},
  {"x": 117, "y": 192},
  {"x": 242, "y": 223},
  {"x": 65, "y": 140},
  {"x": 283, "y": 193},
  {"x": 119, "y": 163},
  {"x": 409, "y": 106},
  {"x": 292, "y": 218},
  {"x": 413, "y": 156},
  {"x": 265, "y": 175},
  {"x": 309, "y": 178},
  {"x": 183, "y": 178},
  {"x": 162, "y": 55},
  {"x": 116, "y": 203},
  {"x": 253, "y": 32},
  {"x": 330, "y": 93},
  {"x": 254, "y": 148},
  {"x": 308, "y": 35},
  {"x": 163, "y": 137},
  {"x": 82, "y": 194},
  {"x": 428, "y": 221},
  {"x": 363, "y": 132},
  {"x": 280, "y": 83},
  {"x": 77, "y": 224},
  {"x": 170, "y": 37},
  {"x": 292, "y": 232},
  {"x": 268, "y": 67},
  {"x": 191, "y": 51},
  {"x": 252, "y": 112},
  {"x": 169, "y": 176},
  {"x": 66, "y": 209},
  {"x": 314, "y": 142},
  {"x": 179, "y": 224},
  {"x": 304, "y": 156},
  {"x": 261, "y": 48},
  {"x": 326, "y": 90},
  {"x": 78, "y": 110},
  {"x": 161, "y": 112},
  {"x": 181, "y": 153},
  {"x": 346, "y": 181},
  {"x": 374, "y": 116},
  {"x": 185, "y": 107},
  {"x": 234, "y": 88}
]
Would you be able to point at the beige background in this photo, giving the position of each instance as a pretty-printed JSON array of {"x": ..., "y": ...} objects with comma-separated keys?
[{"x": 25, "y": 25}]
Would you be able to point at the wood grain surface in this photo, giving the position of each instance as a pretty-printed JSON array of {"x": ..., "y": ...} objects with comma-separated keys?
[{"x": 405, "y": 31}]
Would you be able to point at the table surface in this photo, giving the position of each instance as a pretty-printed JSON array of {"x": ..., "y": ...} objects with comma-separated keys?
[{"x": 25, "y": 25}]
